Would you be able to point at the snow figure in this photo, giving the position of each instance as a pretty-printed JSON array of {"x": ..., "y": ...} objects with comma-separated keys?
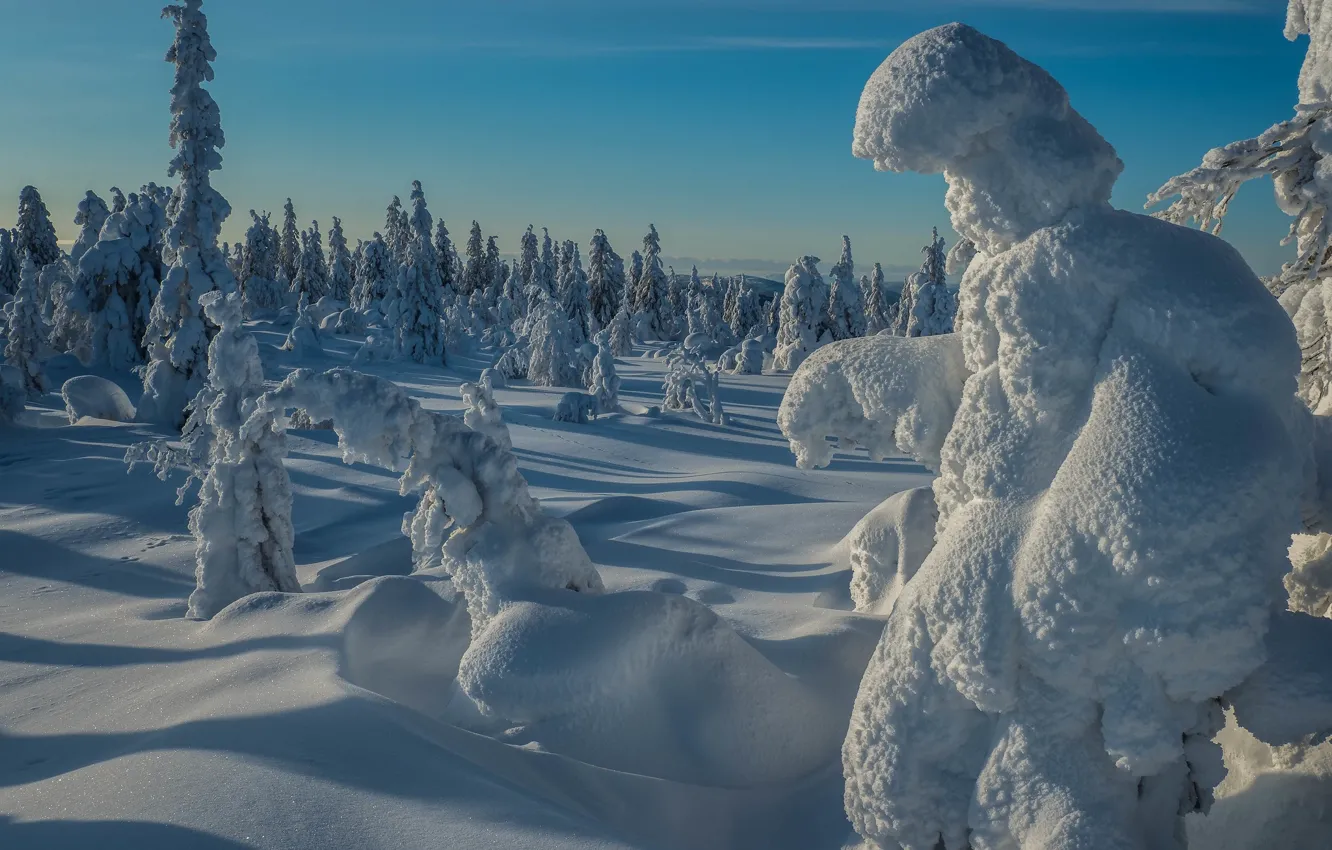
[
  {"x": 34, "y": 234},
  {"x": 1116, "y": 490},
  {"x": 691, "y": 385},
  {"x": 178, "y": 335},
  {"x": 749, "y": 360},
  {"x": 878, "y": 309},
  {"x": 553, "y": 360},
  {"x": 475, "y": 275},
  {"x": 621, "y": 331},
  {"x": 605, "y": 383},
  {"x": 605, "y": 279},
  {"x": 652, "y": 295},
  {"x": 312, "y": 274},
  {"x": 846, "y": 311},
  {"x": 289, "y": 249},
  {"x": 797, "y": 335},
  {"x": 242, "y": 524},
  {"x": 476, "y": 520},
  {"x": 574, "y": 293},
  {"x": 349, "y": 322},
  {"x": 483, "y": 414},
  {"x": 91, "y": 215},
  {"x": 25, "y": 332},
  {"x": 420, "y": 307},
  {"x": 339, "y": 271},
  {"x": 9, "y": 265},
  {"x": 375, "y": 276},
  {"x": 303, "y": 338}
]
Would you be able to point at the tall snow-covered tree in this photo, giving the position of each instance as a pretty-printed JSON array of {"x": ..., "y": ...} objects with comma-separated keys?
[
  {"x": 878, "y": 312},
  {"x": 289, "y": 250},
  {"x": 179, "y": 334},
  {"x": 312, "y": 274},
  {"x": 652, "y": 298},
  {"x": 376, "y": 277},
  {"x": 846, "y": 312},
  {"x": 446, "y": 260},
  {"x": 554, "y": 359},
  {"x": 339, "y": 274},
  {"x": 621, "y": 331},
  {"x": 259, "y": 265},
  {"x": 474, "y": 272},
  {"x": 496, "y": 271},
  {"x": 420, "y": 329},
  {"x": 574, "y": 291},
  {"x": 528, "y": 257},
  {"x": 927, "y": 307},
  {"x": 631, "y": 285},
  {"x": 26, "y": 332},
  {"x": 9, "y": 264},
  {"x": 605, "y": 280},
  {"x": 548, "y": 269},
  {"x": 35, "y": 235},
  {"x": 797, "y": 335},
  {"x": 397, "y": 231},
  {"x": 603, "y": 382},
  {"x": 91, "y": 215}
]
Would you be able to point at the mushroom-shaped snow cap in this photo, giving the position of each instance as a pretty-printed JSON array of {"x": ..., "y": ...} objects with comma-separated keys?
[{"x": 1016, "y": 155}]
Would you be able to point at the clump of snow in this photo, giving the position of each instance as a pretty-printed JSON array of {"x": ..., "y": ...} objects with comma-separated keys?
[
  {"x": 577, "y": 408},
  {"x": 882, "y": 392},
  {"x": 1016, "y": 154},
  {"x": 303, "y": 338},
  {"x": 1116, "y": 492},
  {"x": 888, "y": 546},
  {"x": 691, "y": 384},
  {"x": 96, "y": 398},
  {"x": 749, "y": 359}
]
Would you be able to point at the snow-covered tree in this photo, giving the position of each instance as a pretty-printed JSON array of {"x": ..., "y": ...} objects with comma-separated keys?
[
  {"x": 553, "y": 360},
  {"x": 797, "y": 335},
  {"x": 652, "y": 297},
  {"x": 529, "y": 257},
  {"x": 846, "y": 312},
  {"x": 420, "y": 329},
  {"x": 178, "y": 332},
  {"x": 960, "y": 257},
  {"x": 631, "y": 285},
  {"x": 692, "y": 385},
  {"x": 339, "y": 263},
  {"x": 242, "y": 524},
  {"x": 259, "y": 265},
  {"x": 9, "y": 264},
  {"x": 376, "y": 278},
  {"x": 91, "y": 215},
  {"x": 312, "y": 275},
  {"x": 303, "y": 338},
  {"x": 34, "y": 234},
  {"x": 475, "y": 274},
  {"x": 547, "y": 271},
  {"x": 622, "y": 331},
  {"x": 497, "y": 272},
  {"x": 605, "y": 279},
  {"x": 574, "y": 294},
  {"x": 1102, "y": 572},
  {"x": 26, "y": 332},
  {"x": 446, "y": 259},
  {"x": 397, "y": 231},
  {"x": 483, "y": 415},
  {"x": 927, "y": 306},
  {"x": 878, "y": 306},
  {"x": 289, "y": 249},
  {"x": 604, "y": 383}
]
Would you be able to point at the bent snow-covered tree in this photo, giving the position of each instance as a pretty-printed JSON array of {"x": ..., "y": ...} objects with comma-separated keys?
[
  {"x": 178, "y": 334},
  {"x": 1116, "y": 490}
]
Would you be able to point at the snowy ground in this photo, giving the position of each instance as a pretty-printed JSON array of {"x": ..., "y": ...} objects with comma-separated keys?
[{"x": 316, "y": 722}]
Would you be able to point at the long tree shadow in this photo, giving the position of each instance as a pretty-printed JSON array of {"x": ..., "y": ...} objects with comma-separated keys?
[
  {"x": 21, "y": 649},
  {"x": 37, "y": 558},
  {"x": 106, "y": 835},
  {"x": 713, "y": 568}
]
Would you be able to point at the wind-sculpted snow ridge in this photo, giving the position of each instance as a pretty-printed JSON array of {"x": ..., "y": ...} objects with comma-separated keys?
[
  {"x": 476, "y": 519},
  {"x": 1116, "y": 493},
  {"x": 882, "y": 392}
]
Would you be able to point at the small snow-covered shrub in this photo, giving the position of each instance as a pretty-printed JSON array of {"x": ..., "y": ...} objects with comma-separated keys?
[
  {"x": 512, "y": 364},
  {"x": 303, "y": 339},
  {"x": 603, "y": 382},
  {"x": 749, "y": 360},
  {"x": 888, "y": 546},
  {"x": 691, "y": 385},
  {"x": 377, "y": 348},
  {"x": 98, "y": 398},
  {"x": 578, "y": 408}
]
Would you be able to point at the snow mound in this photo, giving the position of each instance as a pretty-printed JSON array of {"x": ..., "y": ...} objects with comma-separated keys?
[
  {"x": 888, "y": 546},
  {"x": 955, "y": 100},
  {"x": 649, "y": 683},
  {"x": 95, "y": 398},
  {"x": 882, "y": 392}
]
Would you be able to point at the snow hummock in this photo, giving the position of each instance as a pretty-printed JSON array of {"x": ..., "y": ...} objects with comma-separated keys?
[{"x": 97, "y": 398}]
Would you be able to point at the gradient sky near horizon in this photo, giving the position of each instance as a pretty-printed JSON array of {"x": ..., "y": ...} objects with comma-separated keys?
[{"x": 725, "y": 122}]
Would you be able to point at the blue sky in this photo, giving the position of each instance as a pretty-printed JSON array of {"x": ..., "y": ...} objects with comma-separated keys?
[{"x": 725, "y": 122}]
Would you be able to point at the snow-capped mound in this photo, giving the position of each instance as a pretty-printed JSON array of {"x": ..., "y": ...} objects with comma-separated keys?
[
  {"x": 98, "y": 398},
  {"x": 955, "y": 100},
  {"x": 649, "y": 683},
  {"x": 882, "y": 392}
]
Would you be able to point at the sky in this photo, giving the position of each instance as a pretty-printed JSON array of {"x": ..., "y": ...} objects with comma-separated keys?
[{"x": 727, "y": 123}]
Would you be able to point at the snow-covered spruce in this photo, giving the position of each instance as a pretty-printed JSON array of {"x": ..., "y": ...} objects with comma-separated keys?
[
  {"x": 692, "y": 385},
  {"x": 749, "y": 359},
  {"x": 801, "y": 314},
  {"x": 289, "y": 245},
  {"x": 420, "y": 330},
  {"x": 25, "y": 333},
  {"x": 553, "y": 359},
  {"x": 177, "y": 335},
  {"x": 604, "y": 383},
  {"x": 574, "y": 294},
  {"x": 34, "y": 234},
  {"x": 846, "y": 310},
  {"x": 340, "y": 270},
  {"x": 878, "y": 306},
  {"x": 1115, "y": 497},
  {"x": 927, "y": 307},
  {"x": 9, "y": 265},
  {"x": 312, "y": 274},
  {"x": 476, "y": 520},
  {"x": 651, "y": 292},
  {"x": 90, "y": 216},
  {"x": 621, "y": 331},
  {"x": 258, "y": 278},
  {"x": 605, "y": 280},
  {"x": 376, "y": 279}
]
